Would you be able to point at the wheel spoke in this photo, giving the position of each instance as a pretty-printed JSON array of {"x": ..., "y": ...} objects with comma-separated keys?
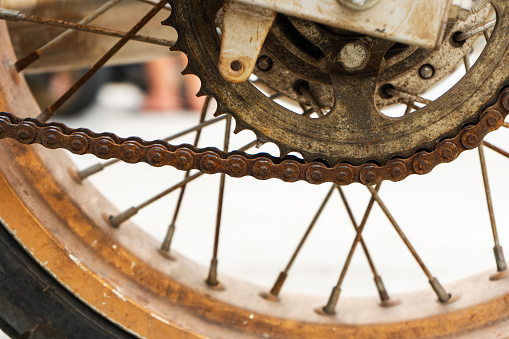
[
  {"x": 212, "y": 277},
  {"x": 171, "y": 229},
  {"x": 409, "y": 107},
  {"x": 496, "y": 149},
  {"x": 330, "y": 308},
  {"x": 411, "y": 98},
  {"x": 485, "y": 29},
  {"x": 26, "y": 61},
  {"x": 32, "y": 57},
  {"x": 466, "y": 62},
  {"x": 50, "y": 110},
  {"x": 499, "y": 254},
  {"x": 497, "y": 250},
  {"x": 304, "y": 89},
  {"x": 274, "y": 292},
  {"x": 382, "y": 292},
  {"x": 85, "y": 173},
  {"x": 487, "y": 35},
  {"x": 443, "y": 296},
  {"x": 120, "y": 218}
]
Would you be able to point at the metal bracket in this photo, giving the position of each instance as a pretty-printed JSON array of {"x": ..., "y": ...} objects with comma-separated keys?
[{"x": 244, "y": 30}]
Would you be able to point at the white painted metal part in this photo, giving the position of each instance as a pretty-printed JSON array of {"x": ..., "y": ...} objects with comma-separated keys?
[
  {"x": 243, "y": 34},
  {"x": 414, "y": 22}
]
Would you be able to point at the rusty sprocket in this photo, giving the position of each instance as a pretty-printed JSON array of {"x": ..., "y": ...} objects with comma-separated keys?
[{"x": 384, "y": 142}]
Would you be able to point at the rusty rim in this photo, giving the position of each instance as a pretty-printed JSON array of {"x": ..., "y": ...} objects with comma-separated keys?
[{"x": 57, "y": 223}]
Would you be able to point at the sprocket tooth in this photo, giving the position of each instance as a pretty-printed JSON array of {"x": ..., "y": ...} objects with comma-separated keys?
[
  {"x": 283, "y": 151},
  {"x": 218, "y": 112},
  {"x": 239, "y": 126},
  {"x": 307, "y": 156},
  {"x": 204, "y": 90},
  {"x": 259, "y": 143},
  {"x": 201, "y": 93},
  {"x": 166, "y": 22}
]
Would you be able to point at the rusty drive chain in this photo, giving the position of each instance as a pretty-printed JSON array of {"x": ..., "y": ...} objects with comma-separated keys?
[{"x": 238, "y": 164}]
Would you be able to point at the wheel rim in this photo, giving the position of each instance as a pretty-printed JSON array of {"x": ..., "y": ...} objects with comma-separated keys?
[{"x": 188, "y": 300}]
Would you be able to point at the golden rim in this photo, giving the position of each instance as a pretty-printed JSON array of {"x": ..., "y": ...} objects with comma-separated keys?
[{"x": 120, "y": 274}]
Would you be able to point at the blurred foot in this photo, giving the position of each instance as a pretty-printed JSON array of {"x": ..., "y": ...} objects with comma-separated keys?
[
  {"x": 161, "y": 102},
  {"x": 195, "y": 103}
]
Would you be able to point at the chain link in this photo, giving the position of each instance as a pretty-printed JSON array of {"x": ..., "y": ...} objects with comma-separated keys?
[{"x": 239, "y": 164}]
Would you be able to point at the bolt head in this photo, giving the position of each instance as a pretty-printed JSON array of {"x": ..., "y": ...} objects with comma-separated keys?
[
  {"x": 396, "y": 172},
  {"x": 492, "y": 121},
  {"x": 424, "y": 165},
  {"x": 447, "y": 153},
  {"x": 472, "y": 139},
  {"x": 427, "y": 71},
  {"x": 316, "y": 175},
  {"x": 344, "y": 177},
  {"x": 182, "y": 161},
  {"x": 289, "y": 172},
  {"x": 23, "y": 134},
  {"x": 76, "y": 145},
  {"x": 354, "y": 56},
  {"x": 370, "y": 176},
  {"x": 209, "y": 165},
  {"x": 358, "y": 5},
  {"x": 264, "y": 63},
  {"x": 264, "y": 171}
]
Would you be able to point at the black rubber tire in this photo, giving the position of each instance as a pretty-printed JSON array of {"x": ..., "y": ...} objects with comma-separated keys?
[{"x": 33, "y": 305}]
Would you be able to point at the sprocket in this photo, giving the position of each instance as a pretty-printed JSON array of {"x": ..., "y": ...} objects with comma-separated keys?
[{"x": 331, "y": 137}]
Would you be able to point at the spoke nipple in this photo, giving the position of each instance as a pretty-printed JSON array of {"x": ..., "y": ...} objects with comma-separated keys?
[
  {"x": 385, "y": 300},
  {"x": 278, "y": 284},
  {"x": 165, "y": 247},
  {"x": 116, "y": 221},
  {"x": 499, "y": 275},
  {"x": 502, "y": 271},
  {"x": 330, "y": 308},
  {"x": 442, "y": 295},
  {"x": 269, "y": 296},
  {"x": 212, "y": 281},
  {"x": 73, "y": 173},
  {"x": 21, "y": 64},
  {"x": 390, "y": 303},
  {"x": 166, "y": 254},
  {"x": 83, "y": 174}
]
